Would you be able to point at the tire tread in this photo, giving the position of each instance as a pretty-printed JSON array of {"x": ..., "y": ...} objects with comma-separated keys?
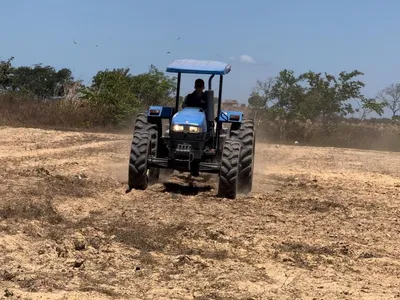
[{"x": 228, "y": 177}]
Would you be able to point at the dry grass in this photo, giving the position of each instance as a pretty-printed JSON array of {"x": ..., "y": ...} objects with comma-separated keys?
[
  {"x": 367, "y": 135},
  {"x": 56, "y": 114}
]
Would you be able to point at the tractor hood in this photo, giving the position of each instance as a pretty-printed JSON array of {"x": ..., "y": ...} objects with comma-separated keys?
[{"x": 190, "y": 117}]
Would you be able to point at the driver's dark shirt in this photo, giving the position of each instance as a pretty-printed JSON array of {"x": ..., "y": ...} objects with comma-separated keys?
[{"x": 192, "y": 100}]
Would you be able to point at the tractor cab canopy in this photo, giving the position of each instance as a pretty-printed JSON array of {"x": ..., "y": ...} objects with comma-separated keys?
[{"x": 193, "y": 66}]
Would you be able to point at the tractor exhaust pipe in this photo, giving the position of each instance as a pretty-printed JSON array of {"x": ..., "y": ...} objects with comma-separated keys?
[
  {"x": 210, "y": 100},
  {"x": 210, "y": 105}
]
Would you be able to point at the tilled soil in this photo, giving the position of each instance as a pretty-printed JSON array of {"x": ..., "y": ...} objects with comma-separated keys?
[{"x": 321, "y": 223}]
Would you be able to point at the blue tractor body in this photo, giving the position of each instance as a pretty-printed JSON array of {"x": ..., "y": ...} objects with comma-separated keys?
[{"x": 196, "y": 140}]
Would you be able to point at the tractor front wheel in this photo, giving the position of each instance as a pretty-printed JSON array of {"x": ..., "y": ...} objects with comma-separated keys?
[{"x": 229, "y": 172}]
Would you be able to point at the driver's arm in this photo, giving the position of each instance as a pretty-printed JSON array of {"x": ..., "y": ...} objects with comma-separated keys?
[
  {"x": 184, "y": 102},
  {"x": 203, "y": 102}
]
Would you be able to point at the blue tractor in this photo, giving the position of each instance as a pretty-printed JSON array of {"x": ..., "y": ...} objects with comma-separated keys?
[{"x": 196, "y": 142}]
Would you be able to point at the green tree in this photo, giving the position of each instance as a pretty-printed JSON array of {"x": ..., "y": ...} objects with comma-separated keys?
[
  {"x": 332, "y": 96},
  {"x": 6, "y": 73},
  {"x": 289, "y": 97},
  {"x": 310, "y": 96},
  {"x": 112, "y": 89},
  {"x": 369, "y": 105},
  {"x": 124, "y": 94},
  {"x": 41, "y": 81},
  {"x": 299, "y": 101},
  {"x": 153, "y": 88},
  {"x": 329, "y": 97}
]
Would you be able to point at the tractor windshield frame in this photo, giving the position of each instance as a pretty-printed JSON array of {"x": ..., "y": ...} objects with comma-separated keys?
[{"x": 205, "y": 67}]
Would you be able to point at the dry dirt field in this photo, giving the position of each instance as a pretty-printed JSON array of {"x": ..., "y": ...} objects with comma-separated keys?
[{"x": 321, "y": 223}]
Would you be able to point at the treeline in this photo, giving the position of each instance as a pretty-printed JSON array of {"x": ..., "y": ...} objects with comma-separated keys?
[
  {"x": 42, "y": 95},
  {"x": 319, "y": 109},
  {"x": 311, "y": 108}
]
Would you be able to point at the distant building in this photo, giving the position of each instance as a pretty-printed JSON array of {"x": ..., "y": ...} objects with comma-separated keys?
[{"x": 229, "y": 104}]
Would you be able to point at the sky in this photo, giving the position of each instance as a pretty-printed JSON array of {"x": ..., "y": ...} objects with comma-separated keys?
[{"x": 258, "y": 37}]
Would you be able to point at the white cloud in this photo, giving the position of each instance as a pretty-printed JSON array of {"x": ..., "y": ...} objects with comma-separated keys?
[{"x": 247, "y": 59}]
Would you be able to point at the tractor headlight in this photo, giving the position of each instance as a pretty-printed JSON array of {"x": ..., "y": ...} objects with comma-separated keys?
[
  {"x": 183, "y": 128},
  {"x": 178, "y": 128},
  {"x": 194, "y": 129}
]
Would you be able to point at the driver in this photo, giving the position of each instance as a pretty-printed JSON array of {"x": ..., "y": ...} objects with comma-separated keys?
[{"x": 197, "y": 98}]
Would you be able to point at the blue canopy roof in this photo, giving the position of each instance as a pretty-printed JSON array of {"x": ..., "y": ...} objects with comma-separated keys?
[{"x": 194, "y": 66}]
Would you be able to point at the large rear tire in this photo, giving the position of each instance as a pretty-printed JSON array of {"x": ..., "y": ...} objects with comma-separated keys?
[
  {"x": 247, "y": 137},
  {"x": 228, "y": 176},
  {"x": 141, "y": 124},
  {"x": 140, "y": 149}
]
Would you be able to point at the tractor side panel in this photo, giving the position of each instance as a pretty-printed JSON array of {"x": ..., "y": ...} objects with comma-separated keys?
[
  {"x": 156, "y": 115},
  {"x": 227, "y": 116},
  {"x": 163, "y": 112}
]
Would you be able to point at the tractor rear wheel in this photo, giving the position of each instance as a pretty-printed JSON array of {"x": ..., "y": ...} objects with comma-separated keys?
[
  {"x": 247, "y": 137},
  {"x": 154, "y": 173},
  {"x": 228, "y": 176},
  {"x": 141, "y": 124},
  {"x": 140, "y": 149}
]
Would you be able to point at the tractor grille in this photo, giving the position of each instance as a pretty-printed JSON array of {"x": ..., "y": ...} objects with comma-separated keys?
[{"x": 194, "y": 145}]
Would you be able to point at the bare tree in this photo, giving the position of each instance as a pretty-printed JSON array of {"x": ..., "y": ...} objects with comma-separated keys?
[
  {"x": 391, "y": 97},
  {"x": 261, "y": 94},
  {"x": 261, "y": 98}
]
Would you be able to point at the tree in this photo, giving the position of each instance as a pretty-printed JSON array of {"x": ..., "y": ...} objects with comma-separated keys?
[
  {"x": 41, "y": 81},
  {"x": 330, "y": 95},
  {"x": 261, "y": 99},
  {"x": 288, "y": 95},
  {"x": 153, "y": 88},
  {"x": 309, "y": 96},
  {"x": 124, "y": 94},
  {"x": 368, "y": 106},
  {"x": 390, "y": 96},
  {"x": 5, "y": 73},
  {"x": 295, "y": 102},
  {"x": 261, "y": 94},
  {"x": 111, "y": 89}
]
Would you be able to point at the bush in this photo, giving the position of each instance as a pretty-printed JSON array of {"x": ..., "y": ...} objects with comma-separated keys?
[{"x": 16, "y": 110}]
